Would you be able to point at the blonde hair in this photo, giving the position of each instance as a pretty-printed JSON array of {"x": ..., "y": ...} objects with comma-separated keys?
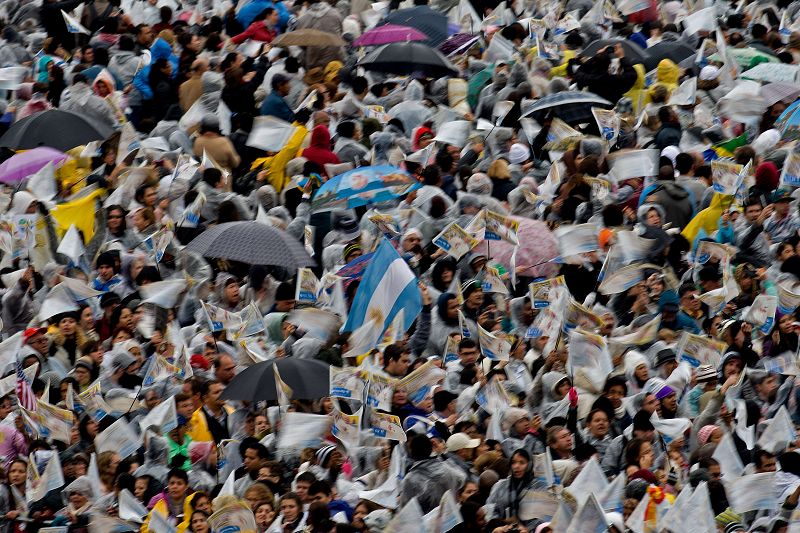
[{"x": 499, "y": 169}]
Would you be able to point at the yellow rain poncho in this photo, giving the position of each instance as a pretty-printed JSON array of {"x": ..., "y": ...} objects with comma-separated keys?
[
  {"x": 276, "y": 165},
  {"x": 708, "y": 218},
  {"x": 667, "y": 75},
  {"x": 638, "y": 92}
]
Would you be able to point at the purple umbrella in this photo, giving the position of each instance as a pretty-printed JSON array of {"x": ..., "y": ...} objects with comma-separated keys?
[
  {"x": 24, "y": 164},
  {"x": 390, "y": 33}
]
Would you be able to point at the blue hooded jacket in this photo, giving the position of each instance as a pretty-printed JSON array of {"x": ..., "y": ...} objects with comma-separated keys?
[
  {"x": 159, "y": 49},
  {"x": 249, "y": 12}
]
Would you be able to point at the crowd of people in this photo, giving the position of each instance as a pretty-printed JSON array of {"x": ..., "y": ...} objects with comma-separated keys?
[{"x": 570, "y": 306}]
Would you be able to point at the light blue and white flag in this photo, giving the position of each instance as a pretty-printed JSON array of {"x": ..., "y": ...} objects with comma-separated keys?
[
  {"x": 388, "y": 286},
  {"x": 73, "y": 26}
]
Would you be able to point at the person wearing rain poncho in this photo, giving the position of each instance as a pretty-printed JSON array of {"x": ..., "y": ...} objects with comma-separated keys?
[
  {"x": 77, "y": 514},
  {"x": 516, "y": 423},
  {"x": 155, "y": 459},
  {"x": 203, "y": 472},
  {"x": 428, "y": 477},
  {"x": 507, "y": 494}
]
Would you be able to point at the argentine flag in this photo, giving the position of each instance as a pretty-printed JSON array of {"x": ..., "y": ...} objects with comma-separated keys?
[
  {"x": 388, "y": 286},
  {"x": 73, "y": 26}
]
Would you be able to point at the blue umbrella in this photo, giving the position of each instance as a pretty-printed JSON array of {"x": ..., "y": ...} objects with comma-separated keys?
[{"x": 362, "y": 186}]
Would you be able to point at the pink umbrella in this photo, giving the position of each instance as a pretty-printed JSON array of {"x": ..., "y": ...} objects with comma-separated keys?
[
  {"x": 24, "y": 164},
  {"x": 537, "y": 245},
  {"x": 389, "y": 33}
]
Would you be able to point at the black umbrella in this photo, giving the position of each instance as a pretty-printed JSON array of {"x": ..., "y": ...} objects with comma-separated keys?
[
  {"x": 62, "y": 130},
  {"x": 407, "y": 58},
  {"x": 309, "y": 379},
  {"x": 573, "y": 107},
  {"x": 253, "y": 243},
  {"x": 634, "y": 52},
  {"x": 672, "y": 50},
  {"x": 430, "y": 22}
]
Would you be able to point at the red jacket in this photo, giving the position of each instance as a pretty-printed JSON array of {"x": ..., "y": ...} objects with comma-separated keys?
[
  {"x": 257, "y": 31},
  {"x": 319, "y": 151}
]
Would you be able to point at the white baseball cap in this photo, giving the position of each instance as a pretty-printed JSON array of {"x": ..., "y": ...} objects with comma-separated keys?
[{"x": 460, "y": 441}]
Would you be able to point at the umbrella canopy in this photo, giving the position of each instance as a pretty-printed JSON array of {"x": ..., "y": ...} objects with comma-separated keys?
[
  {"x": 362, "y": 186},
  {"x": 634, "y": 52},
  {"x": 572, "y": 107},
  {"x": 55, "y": 128},
  {"x": 22, "y": 165},
  {"x": 745, "y": 56},
  {"x": 773, "y": 72},
  {"x": 672, "y": 50},
  {"x": 308, "y": 37},
  {"x": 773, "y": 93},
  {"x": 430, "y": 22},
  {"x": 537, "y": 246},
  {"x": 407, "y": 58},
  {"x": 253, "y": 243},
  {"x": 390, "y": 33},
  {"x": 458, "y": 43},
  {"x": 309, "y": 379}
]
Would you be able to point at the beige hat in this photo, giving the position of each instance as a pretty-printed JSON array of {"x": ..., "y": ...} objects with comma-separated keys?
[{"x": 460, "y": 441}]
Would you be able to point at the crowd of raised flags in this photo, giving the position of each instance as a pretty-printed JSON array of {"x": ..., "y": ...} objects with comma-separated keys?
[{"x": 292, "y": 288}]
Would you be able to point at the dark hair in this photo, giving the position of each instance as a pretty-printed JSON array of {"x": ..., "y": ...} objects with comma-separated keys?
[
  {"x": 759, "y": 455},
  {"x": 305, "y": 477},
  {"x": 758, "y": 31},
  {"x": 212, "y": 176},
  {"x": 467, "y": 343},
  {"x": 616, "y": 381},
  {"x": 264, "y": 14},
  {"x": 178, "y": 473},
  {"x": 126, "y": 43},
  {"x": 393, "y": 352},
  {"x": 320, "y": 487},
  {"x": 261, "y": 450},
  {"x": 420, "y": 447},
  {"x": 703, "y": 171},
  {"x": 166, "y": 14},
  {"x": 684, "y": 162},
  {"x": 359, "y": 85},
  {"x": 346, "y": 129},
  {"x": 594, "y": 412},
  {"x": 633, "y": 450}
]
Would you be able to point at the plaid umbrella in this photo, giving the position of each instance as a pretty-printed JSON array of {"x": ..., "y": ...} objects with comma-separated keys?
[{"x": 573, "y": 107}]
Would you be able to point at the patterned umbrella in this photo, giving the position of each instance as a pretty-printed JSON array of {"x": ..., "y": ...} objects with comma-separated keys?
[
  {"x": 22, "y": 165},
  {"x": 362, "y": 186},
  {"x": 573, "y": 107},
  {"x": 253, "y": 243},
  {"x": 537, "y": 245},
  {"x": 390, "y": 33}
]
